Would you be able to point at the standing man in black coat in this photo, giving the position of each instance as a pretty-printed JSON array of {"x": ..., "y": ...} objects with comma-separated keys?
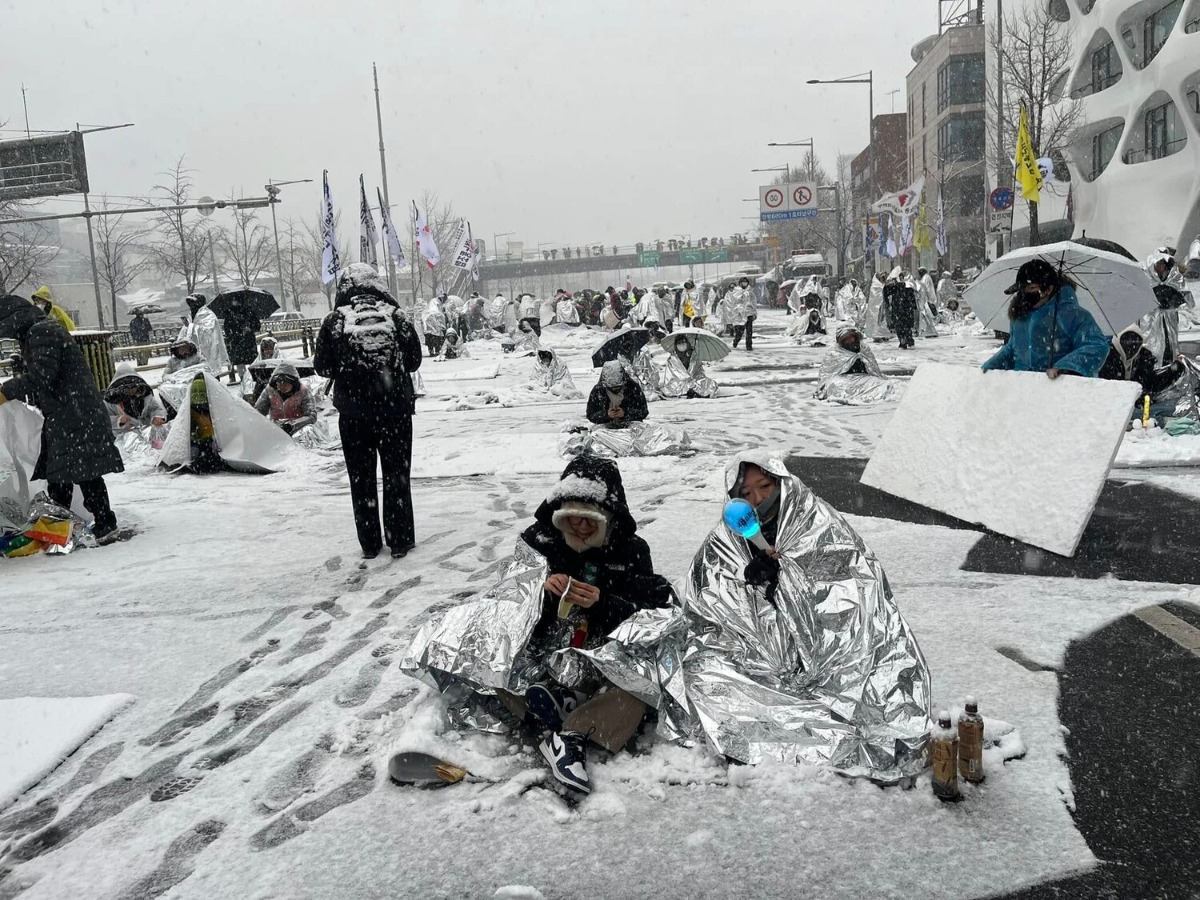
[
  {"x": 241, "y": 328},
  {"x": 77, "y": 440},
  {"x": 370, "y": 351}
]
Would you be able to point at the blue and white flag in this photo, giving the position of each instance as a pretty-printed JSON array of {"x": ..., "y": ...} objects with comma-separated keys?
[
  {"x": 368, "y": 237},
  {"x": 389, "y": 233},
  {"x": 330, "y": 262}
]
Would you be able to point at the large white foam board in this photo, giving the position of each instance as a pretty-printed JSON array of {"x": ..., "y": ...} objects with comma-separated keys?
[{"x": 1012, "y": 451}]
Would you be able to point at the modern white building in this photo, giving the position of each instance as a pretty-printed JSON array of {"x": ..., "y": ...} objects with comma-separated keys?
[{"x": 1136, "y": 158}]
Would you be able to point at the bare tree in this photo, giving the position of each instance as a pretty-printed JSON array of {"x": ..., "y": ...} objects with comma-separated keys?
[
  {"x": 1034, "y": 50},
  {"x": 182, "y": 242},
  {"x": 25, "y": 248},
  {"x": 121, "y": 254},
  {"x": 301, "y": 268},
  {"x": 247, "y": 243}
]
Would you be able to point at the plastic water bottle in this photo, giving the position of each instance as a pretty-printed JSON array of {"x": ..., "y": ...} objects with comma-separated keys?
[{"x": 970, "y": 743}]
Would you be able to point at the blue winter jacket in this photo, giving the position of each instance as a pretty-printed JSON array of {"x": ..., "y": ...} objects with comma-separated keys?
[{"x": 1079, "y": 345}]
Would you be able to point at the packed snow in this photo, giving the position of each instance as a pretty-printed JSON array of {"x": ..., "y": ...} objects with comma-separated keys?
[
  {"x": 263, "y": 654},
  {"x": 994, "y": 468},
  {"x": 40, "y": 732}
]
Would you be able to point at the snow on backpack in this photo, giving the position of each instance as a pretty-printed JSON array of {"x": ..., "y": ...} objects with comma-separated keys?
[{"x": 371, "y": 346}]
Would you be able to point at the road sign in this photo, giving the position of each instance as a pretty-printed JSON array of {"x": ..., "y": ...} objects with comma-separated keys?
[
  {"x": 648, "y": 258},
  {"x": 719, "y": 255},
  {"x": 1001, "y": 198},
  {"x": 797, "y": 200},
  {"x": 42, "y": 166},
  {"x": 999, "y": 221},
  {"x": 691, "y": 256}
]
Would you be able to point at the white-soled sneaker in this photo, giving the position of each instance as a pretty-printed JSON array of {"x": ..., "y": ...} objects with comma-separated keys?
[{"x": 567, "y": 755}]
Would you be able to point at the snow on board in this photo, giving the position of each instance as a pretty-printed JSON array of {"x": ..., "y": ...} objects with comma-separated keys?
[
  {"x": 40, "y": 732},
  {"x": 1016, "y": 452}
]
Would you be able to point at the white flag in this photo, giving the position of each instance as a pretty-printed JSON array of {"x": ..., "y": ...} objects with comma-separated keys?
[
  {"x": 425, "y": 239},
  {"x": 906, "y": 234},
  {"x": 389, "y": 233},
  {"x": 889, "y": 241},
  {"x": 476, "y": 256},
  {"x": 901, "y": 202},
  {"x": 941, "y": 242},
  {"x": 330, "y": 263},
  {"x": 462, "y": 250},
  {"x": 368, "y": 237}
]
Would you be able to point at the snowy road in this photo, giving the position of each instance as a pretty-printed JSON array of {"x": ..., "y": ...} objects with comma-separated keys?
[{"x": 262, "y": 657}]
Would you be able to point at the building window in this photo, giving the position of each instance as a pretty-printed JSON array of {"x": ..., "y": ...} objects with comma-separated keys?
[
  {"x": 924, "y": 155},
  {"x": 1157, "y": 28},
  {"x": 966, "y": 195},
  {"x": 960, "y": 80},
  {"x": 961, "y": 137},
  {"x": 1104, "y": 147},
  {"x": 1162, "y": 135},
  {"x": 1106, "y": 70}
]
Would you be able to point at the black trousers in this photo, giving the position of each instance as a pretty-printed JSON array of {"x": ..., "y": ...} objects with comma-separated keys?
[
  {"x": 748, "y": 330},
  {"x": 388, "y": 440},
  {"x": 95, "y": 501}
]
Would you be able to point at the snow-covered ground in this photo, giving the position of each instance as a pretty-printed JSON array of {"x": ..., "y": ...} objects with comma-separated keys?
[{"x": 262, "y": 655}]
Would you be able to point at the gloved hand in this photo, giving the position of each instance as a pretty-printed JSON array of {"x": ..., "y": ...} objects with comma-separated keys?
[
  {"x": 286, "y": 426},
  {"x": 762, "y": 570}
]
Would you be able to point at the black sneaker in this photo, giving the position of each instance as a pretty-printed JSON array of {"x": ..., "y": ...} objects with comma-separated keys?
[
  {"x": 551, "y": 704},
  {"x": 370, "y": 554},
  {"x": 567, "y": 755}
]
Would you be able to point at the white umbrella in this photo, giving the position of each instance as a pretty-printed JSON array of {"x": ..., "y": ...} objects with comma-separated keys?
[
  {"x": 1115, "y": 290},
  {"x": 709, "y": 347}
]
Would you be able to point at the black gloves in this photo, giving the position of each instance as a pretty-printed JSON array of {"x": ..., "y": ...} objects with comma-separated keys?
[
  {"x": 762, "y": 570},
  {"x": 287, "y": 427}
]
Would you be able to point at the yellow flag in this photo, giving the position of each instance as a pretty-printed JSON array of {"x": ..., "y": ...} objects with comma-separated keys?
[
  {"x": 923, "y": 240},
  {"x": 1028, "y": 175}
]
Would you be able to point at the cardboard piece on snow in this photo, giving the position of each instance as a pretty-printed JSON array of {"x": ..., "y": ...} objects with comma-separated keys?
[{"x": 1013, "y": 451}]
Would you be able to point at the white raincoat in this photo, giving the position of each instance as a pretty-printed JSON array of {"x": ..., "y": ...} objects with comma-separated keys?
[{"x": 204, "y": 330}]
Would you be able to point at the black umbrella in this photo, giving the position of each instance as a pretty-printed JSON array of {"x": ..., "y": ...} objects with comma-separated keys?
[
  {"x": 624, "y": 343},
  {"x": 126, "y": 386},
  {"x": 256, "y": 300},
  {"x": 1101, "y": 244}
]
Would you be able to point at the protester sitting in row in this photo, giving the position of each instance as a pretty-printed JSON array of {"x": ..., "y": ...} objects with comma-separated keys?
[
  {"x": 1049, "y": 331},
  {"x": 131, "y": 402},
  {"x": 183, "y": 354},
  {"x": 616, "y": 400},
  {"x": 850, "y": 373},
  {"x": 551, "y": 374},
  {"x": 287, "y": 401},
  {"x": 453, "y": 347},
  {"x": 684, "y": 373},
  {"x": 1129, "y": 359}
]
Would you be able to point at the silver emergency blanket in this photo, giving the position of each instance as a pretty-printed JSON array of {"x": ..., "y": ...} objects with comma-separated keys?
[
  {"x": 245, "y": 440},
  {"x": 472, "y": 650},
  {"x": 553, "y": 377},
  {"x": 828, "y": 673},
  {"x": 634, "y": 439},
  {"x": 661, "y": 372},
  {"x": 835, "y": 385}
]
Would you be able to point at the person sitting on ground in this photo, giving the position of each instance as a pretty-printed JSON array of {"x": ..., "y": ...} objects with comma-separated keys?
[
  {"x": 453, "y": 347},
  {"x": 850, "y": 374},
  {"x": 796, "y": 651},
  {"x": 1129, "y": 359},
  {"x": 685, "y": 373},
  {"x": 42, "y": 300},
  {"x": 183, "y": 354},
  {"x": 287, "y": 401},
  {"x": 268, "y": 348},
  {"x": 131, "y": 402},
  {"x": 552, "y": 375},
  {"x": 1049, "y": 331},
  {"x": 617, "y": 399}
]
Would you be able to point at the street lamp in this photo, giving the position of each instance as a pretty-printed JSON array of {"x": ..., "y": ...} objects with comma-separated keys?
[
  {"x": 496, "y": 243},
  {"x": 812, "y": 153},
  {"x": 272, "y": 187},
  {"x": 869, "y": 81},
  {"x": 785, "y": 168}
]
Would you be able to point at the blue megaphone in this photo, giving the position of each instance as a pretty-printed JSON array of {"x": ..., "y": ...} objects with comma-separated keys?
[{"x": 742, "y": 520}]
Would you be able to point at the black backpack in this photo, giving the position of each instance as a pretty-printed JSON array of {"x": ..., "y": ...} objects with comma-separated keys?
[{"x": 370, "y": 345}]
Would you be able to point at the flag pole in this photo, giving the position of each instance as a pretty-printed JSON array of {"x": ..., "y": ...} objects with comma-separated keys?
[{"x": 391, "y": 265}]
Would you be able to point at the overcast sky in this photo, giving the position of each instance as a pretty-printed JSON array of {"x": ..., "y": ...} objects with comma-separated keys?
[{"x": 566, "y": 122}]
